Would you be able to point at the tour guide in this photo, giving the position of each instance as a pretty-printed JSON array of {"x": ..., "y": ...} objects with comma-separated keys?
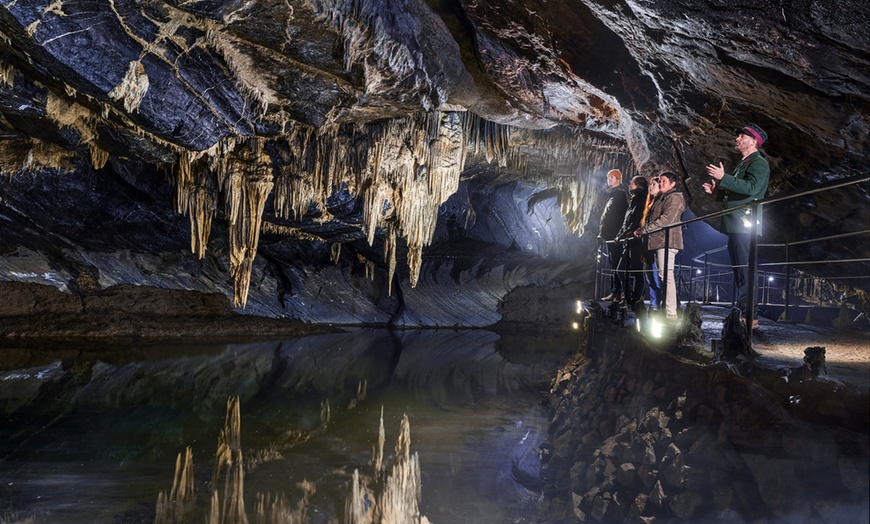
[{"x": 748, "y": 182}]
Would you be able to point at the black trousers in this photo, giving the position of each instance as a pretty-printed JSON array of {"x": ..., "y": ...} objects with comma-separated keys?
[
  {"x": 632, "y": 263},
  {"x": 738, "y": 250},
  {"x": 614, "y": 253}
]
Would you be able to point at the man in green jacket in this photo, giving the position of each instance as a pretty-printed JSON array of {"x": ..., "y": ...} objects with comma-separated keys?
[{"x": 746, "y": 183}]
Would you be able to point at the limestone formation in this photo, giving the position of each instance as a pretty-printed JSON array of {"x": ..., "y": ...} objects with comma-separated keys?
[{"x": 361, "y": 120}]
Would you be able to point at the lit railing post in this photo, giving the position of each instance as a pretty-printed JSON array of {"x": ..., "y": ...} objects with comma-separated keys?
[
  {"x": 665, "y": 273},
  {"x": 750, "y": 278}
]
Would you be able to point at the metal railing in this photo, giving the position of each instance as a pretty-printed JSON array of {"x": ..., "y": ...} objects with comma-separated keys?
[{"x": 753, "y": 264}]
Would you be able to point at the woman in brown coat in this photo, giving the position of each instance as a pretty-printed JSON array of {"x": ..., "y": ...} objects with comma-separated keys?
[{"x": 666, "y": 210}]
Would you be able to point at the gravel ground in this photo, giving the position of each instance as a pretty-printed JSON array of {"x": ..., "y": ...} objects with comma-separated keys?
[{"x": 847, "y": 354}]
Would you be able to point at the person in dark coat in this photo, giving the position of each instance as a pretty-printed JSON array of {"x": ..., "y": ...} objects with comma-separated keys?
[
  {"x": 611, "y": 222},
  {"x": 746, "y": 183},
  {"x": 630, "y": 264}
]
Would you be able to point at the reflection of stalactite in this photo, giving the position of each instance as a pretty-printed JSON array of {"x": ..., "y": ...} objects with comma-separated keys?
[
  {"x": 361, "y": 392},
  {"x": 228, "y": 480},
  {"x": 248, "y": 185},
  {"x": 325, "y": 412},
  {"x": 181, "y": 498},
  {"x": 275, "y": 509},
  {"x": 399, "y": 497},
  {"x": 378, "y": 458}
]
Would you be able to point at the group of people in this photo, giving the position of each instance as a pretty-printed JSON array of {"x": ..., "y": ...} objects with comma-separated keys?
[
  {"x": 636, "y": 246},
  {"x": 631, "y": 224}
]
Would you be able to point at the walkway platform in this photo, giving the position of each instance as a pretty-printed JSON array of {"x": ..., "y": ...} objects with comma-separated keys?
[{"x": 847, "y": 353}]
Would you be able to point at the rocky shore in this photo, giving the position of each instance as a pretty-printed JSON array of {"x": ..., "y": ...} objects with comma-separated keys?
[
  {"x": 640, "y": 434},
  {"x": 33, "y": 312}
]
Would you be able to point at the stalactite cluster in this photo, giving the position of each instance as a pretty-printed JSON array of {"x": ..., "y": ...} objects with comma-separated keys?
[{"x": 402, "y": 170}]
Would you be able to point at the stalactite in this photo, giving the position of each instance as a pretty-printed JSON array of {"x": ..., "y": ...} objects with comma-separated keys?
[
  {"x": 99, "y": 156},
  {"x": 249, "y": 182},
  {"x": 295, "y": 188},
  {"x": 252, "y": 83},
  {"x": 335, "y": 253},
  {"x": 195, "y": 196},
  {"x": 390, "y": 256},
  {"x": 32, "y": 155},
  {"x": 369, "y": 266},
  {"x": 7, "y": 74},
  {"x": 228, "y": 480},
  {"x": 132, "y": 88}
]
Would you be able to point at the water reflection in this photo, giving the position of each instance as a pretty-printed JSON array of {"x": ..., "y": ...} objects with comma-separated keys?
[{"x": 93, "y": 436}]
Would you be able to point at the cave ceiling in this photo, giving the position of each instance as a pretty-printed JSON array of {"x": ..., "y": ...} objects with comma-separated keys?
[{"x": 389, "y": 104}]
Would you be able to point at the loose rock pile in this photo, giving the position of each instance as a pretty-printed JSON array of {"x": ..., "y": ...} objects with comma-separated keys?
[{"x": 639, "y": 435}]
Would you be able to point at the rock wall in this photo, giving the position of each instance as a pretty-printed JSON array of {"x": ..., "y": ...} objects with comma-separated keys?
[{"x": 639, "y": 435}]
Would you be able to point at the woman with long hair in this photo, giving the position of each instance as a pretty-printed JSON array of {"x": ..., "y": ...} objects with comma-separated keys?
[
  {"x": 650, "y": 269},
  {"x": 630, "y": 265}
]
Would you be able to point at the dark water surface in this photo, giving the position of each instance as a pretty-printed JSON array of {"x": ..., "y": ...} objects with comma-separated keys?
[{"x": 93, "y": 436}]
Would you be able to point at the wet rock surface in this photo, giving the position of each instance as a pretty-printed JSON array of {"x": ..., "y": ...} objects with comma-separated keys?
[{"x": 640, "y": 434}]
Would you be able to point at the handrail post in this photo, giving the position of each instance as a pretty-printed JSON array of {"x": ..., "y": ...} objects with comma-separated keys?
[
  {"x": 706, "y": 280},
  {"x": 787, "y": 285},
  {"x": 692, "y": 281},
  {"x": 750, "y": 279},
  {"x": 597, "y": 268},
  {"x": 665, "y": 273}
]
